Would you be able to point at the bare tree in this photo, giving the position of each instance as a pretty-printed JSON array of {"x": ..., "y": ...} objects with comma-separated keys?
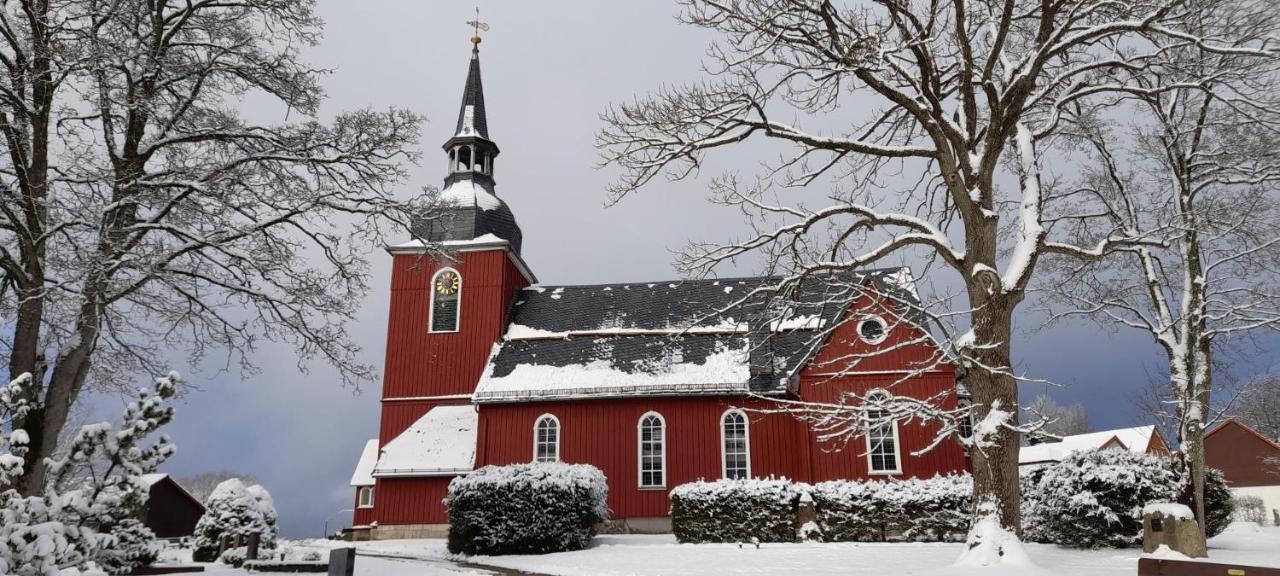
[
  {"x": 1058, "y": 420},
  {"x": 1259, "y": 406},
  {"x": 1194, "y": 161},
  {"x": 141, "y": 214},
  {"x": 958, "y": 103}
]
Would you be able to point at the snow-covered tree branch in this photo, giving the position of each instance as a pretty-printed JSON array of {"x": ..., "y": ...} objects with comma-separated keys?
[
  {"x": 929, "y": 126},
  {"x": 141, "y": 214}
]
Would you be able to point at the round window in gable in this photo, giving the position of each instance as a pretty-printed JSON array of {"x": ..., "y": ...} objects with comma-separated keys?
[{"x": 872, "y": 330}]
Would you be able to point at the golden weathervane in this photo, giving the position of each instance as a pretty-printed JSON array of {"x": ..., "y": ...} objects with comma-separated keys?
[{"x": 478, "y": 26}]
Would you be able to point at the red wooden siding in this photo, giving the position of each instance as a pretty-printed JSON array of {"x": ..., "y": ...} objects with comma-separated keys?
[
  {"x": 363, "y": 516},
  {"x": 411, "y": 500},
  {"x": 424, "y": 364},
  {"x": 1238, "y": 451},
  {"x": 603, "y": 433}
]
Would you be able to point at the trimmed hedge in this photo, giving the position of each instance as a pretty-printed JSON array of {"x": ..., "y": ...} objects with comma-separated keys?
[
  {"x": 923, "y": 510},
  {"x": 526, "y": 508},
  {"x": 735, "y": 511}
]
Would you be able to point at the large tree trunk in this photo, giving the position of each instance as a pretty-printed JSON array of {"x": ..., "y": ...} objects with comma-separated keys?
[{"x": 995, "y": 465}]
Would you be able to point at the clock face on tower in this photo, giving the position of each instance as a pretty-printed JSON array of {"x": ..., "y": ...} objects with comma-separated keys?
[{"x": 448, "y": 283}]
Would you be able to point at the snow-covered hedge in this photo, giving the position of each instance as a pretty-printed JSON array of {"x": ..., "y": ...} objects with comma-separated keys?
[
  {"x": 234, "y": 509},
  {"x": 1093, "y": 499},
  {"x": 735, "y": 511},
  {"x": 925, "y": 510},
  {"x": 1249, "y": 509},
  {"x": 526, "y": 508}
]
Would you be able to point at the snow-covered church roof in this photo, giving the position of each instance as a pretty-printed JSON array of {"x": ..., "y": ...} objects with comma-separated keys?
[
  {"x": 363, "y": 474},
  {"x": 441, "y": 443},
  {"x": 681, "y": 337}
]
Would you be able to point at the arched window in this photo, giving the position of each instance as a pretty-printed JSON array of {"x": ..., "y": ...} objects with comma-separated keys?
[
  {"x": 446, "y": 296},
  {"x": 735, "y": 445},
  {"x": 882, "y": 438},
  {"x": 546, "y": 439},
  {"x": 652, "y": 436},
  {"x": 366, "y": 497}
]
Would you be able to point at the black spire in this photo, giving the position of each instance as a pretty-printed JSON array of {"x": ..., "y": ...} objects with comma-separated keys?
[
  {"x": 473, "y": 208},
  {"x": 471, "y": 116}
]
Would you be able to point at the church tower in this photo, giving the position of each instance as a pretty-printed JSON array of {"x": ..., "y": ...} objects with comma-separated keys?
[
  {"x": 473, "y": 209},
  {"x": 447, "y": 312}
]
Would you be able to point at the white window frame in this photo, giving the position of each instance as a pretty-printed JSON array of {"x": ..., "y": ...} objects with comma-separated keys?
[
  {"x": 640, "y": 451},
  {"x": 724, "y": 448},
  {"x": 360, "y": 497},
  {"x": 538, "y": 423},
  {"x": 897, "y": 444},
  {"x": 431, "y": 310},
  {"x": 884, "y": 328}
]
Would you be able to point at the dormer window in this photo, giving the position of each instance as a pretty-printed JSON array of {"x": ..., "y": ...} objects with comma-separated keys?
[{"x": 446, "y": 295}]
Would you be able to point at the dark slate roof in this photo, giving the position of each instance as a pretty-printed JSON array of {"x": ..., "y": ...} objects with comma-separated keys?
[
  {"x": 472, "y": 219},
  {"x": 650, "y": 334},
  {"x": 473, "y": 95}
]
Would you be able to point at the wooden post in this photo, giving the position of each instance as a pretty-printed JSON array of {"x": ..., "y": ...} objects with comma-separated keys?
[
  {"x": 222, "y": 545},
  {"x": 252, "y": 552},
  {"x": 342, "y": 562}
]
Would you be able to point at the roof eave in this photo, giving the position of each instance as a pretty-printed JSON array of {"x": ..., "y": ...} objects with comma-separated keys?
[{"x": 516, "y": 260}]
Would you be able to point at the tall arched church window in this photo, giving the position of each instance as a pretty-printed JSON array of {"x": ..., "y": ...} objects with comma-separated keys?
[
  {"x": 735, "y": 446},
  {"x": 883, "y": 455},
  {"x": 546, "y": 439},
  {"x": 446, "y": 298},
  {"x": 652, "y": 436}
]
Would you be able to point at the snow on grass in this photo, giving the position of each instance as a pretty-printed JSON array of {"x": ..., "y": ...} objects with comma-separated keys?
[{"x": 645, "y": 555}]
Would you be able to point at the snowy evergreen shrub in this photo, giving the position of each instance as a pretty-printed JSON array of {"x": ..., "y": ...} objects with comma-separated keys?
[
  {"x": 85, "y": 513},
  {"x": 1035, "y": 526},
  {"x": 1218, "y": 506},
  {"x": 924, "y": 510},
  {"x": 132, "y": 545},
  {"x": 526, "y": 508},
  {"x": 1093, "y": 499},
  {"x": 735, "y": 511},
  {"x": 234, "y": 557},
  {"x": 234, "y": 510}
]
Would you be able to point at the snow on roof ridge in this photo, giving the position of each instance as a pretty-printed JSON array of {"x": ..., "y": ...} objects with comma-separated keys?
[
  {"x": 151, "y": 479},
  {"x": 712, "y": 281}
]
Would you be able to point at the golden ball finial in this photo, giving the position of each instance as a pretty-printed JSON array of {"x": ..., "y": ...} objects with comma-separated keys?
[{"x": 475, "y": 40}]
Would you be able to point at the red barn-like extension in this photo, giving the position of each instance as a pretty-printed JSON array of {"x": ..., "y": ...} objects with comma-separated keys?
[{"x": 657, "y": 384}]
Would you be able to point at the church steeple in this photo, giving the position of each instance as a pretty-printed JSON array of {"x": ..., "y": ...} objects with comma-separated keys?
[
  {"x": 473, "y": 207},
  {"x": 470, "y": 150}
]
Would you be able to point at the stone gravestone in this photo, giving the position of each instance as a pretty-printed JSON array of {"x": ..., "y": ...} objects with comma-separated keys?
[
  {"x": 1172, "y": 525},
  {"x": 807, "y": 520},
  {"x": 342, "y": 562}
]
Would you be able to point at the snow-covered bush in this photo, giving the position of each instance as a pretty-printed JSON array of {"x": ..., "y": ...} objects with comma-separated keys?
[
  {"x": 526, "y": 508},
  {"x": 86, "y": 513},
  {"x": 735, "y": 511},
  {"x": 929, "y": 509},
  {"x": 132, "y": 545},
  {"x": 234, "y": 510},
  {"x": 1093, "y": 499},
  {"x": 1218, "y": 506},
  {"x": 1250, "y": 509},
  {"x": 234, "y": 556}
]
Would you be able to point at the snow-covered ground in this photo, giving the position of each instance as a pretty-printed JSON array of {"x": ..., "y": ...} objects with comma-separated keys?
[{"x": 661, "y": 555}]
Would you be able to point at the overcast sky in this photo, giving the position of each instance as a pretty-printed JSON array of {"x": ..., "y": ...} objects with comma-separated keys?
[{"x": 549, "y": 70}]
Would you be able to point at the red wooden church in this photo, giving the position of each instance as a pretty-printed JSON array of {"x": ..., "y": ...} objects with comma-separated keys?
[{"x": 653, "y": 383}]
